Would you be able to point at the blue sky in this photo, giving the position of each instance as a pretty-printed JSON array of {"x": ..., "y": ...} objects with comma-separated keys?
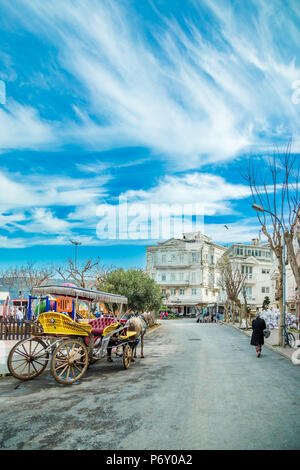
[{"x": 156, "y": 101}]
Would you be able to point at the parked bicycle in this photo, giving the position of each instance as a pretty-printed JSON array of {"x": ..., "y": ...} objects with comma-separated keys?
[{"x": 289, "y": 338}]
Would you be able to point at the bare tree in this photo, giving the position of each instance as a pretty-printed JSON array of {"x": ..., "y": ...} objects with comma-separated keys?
[
  {"x": 231, "y": 281},
  {"x": 244, "y": 293},
  {"x": 83, "y": 274},
  {"x": 275, "y": 188},
  {"x": 25, "y": 277}
]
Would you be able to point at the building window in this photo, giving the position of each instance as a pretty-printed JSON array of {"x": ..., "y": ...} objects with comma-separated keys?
[
  {"x": 265, "y": 271},
  {"x": 193, "y": 276},
  {"x": 173, "y": 291},
  {"x": 248, "y": 290},
  {"x": 163, "y": 258},
  {"x": 163, "y": 291},
  {"x": 248, "y": 271},
  {"x": 194, "y": 291},
  {"x": 265, "y": 290},
  {"x": 153, "y": 276},
  {"x": 194, "y": 257},
  {"x": 163, "y": 277},
  {"x": 181, "y": 276},
  {"x": 181, "y": 291}
]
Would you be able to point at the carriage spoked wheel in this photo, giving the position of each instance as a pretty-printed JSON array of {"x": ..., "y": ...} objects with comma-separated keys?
[
  {"x": 28, "y": 358},
  {"x": 70, "y": 361},
  {"x": 127, "y": 354}
]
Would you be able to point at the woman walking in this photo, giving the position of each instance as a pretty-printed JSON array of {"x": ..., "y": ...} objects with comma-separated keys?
[{"x": 257, "y": 338}]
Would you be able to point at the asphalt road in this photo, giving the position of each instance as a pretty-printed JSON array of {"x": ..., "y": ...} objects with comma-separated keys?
[{"x": 200, "y": 386}]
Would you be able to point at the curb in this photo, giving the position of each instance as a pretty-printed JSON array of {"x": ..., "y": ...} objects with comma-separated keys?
[
  {"x": 153, "y": 330},
  {"x": 269, "y": 346}
]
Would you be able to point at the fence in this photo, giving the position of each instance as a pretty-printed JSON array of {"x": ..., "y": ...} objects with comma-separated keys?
[{"x": 11, "y": 328}]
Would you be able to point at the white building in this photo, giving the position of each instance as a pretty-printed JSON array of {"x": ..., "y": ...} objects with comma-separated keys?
[
  {"x": 186, "y": 269},
  {"x": 256, "y": 262},
  {"x": 292, "y": 295}
]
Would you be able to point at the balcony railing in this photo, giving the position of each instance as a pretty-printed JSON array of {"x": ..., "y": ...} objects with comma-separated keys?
[{"x": 173, "y": 283}]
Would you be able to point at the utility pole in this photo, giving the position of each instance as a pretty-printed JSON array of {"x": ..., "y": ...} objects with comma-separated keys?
[{"x": 74, "y": 242}]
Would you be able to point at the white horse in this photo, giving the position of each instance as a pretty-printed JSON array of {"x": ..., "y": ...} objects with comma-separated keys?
[{"x": 140, "y": 325}]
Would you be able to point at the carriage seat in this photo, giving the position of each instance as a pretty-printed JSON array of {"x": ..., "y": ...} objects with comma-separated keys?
[{"x": 99, "y": 324}]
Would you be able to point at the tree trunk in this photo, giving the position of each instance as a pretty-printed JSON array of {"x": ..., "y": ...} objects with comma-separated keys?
[
  {"x": 279, "y": 298},
  {"x": 288, "y": 237},
  {"x": 226, "y": 311}
]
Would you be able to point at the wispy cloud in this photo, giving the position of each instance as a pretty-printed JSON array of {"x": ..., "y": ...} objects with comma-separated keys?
[
  {"x": 21, "y": 127},
  {"x": 183, "y": 93}
]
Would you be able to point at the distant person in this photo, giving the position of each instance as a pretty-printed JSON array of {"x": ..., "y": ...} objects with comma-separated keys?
[
  {"x": 19, "y": 314},
  {"x": 257, "y": 338},
  {"x": 167, "y": 315}
]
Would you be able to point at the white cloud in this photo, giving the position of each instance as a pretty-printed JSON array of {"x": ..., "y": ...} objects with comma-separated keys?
[
  {"x": 48, "y": 190},
  {"x": 21, "y": 127},
  {"x": 242, "y": 231},
  {"x": 29, "y": 206},
  {"x": 211, "y": 191},
  {"x": 185, "y": 95}
]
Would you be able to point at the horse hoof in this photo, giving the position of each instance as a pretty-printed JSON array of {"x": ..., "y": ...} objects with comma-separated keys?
[
  {"x": 109, "y": 359},
  {"x": 142, "y": 357},
  {"x": 132, "y": 360}
]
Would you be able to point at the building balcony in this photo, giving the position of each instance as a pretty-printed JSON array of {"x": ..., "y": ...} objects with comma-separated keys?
[
  {"x": 173, "y": 283},
  {"x": 174, "y": 265}
]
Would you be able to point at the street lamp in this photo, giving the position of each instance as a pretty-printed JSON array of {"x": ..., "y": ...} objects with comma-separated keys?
[
  {"x": 74, "y": 242},
  {"x": 261, "y": 209}
]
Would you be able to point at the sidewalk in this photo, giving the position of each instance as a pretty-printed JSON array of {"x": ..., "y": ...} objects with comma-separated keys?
[
  {"x": 271, "y": 342},
  {"x": 5, "y": 347}
]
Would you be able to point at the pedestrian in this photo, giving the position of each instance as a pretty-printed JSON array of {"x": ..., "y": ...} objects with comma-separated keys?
[
  {"x": 167, "y": 315},
  {"x": 257, "y": 338},
  {"x": 161, "y": 315},
  {"x": 19, "y": 315}
]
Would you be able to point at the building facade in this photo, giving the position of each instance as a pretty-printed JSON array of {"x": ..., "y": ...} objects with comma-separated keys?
[
  {"x": 256, "y": 262},
  {"x": 292, "y": 295},
  {"x": 186, "y": 269}
]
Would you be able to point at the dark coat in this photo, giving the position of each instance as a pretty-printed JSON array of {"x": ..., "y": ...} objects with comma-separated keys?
[{"x": 258, "y": 326}]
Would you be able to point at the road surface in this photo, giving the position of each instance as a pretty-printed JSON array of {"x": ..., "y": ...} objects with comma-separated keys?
[{"x": 200, "y": 386}]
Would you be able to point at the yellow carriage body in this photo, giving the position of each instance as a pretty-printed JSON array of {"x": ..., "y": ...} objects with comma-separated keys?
[
  {"x": 110, "y": 328},
  {"x": 60, "y": 324}
]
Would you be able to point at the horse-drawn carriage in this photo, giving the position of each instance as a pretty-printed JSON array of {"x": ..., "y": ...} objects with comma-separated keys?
[{"x": 69, "y": 344}]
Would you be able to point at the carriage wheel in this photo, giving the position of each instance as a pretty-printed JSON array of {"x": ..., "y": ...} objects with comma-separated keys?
[
  {"x": 126, "y": 356},
  {"x": 69, "y": 362},
  {"x": 28, "y": 359}
]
